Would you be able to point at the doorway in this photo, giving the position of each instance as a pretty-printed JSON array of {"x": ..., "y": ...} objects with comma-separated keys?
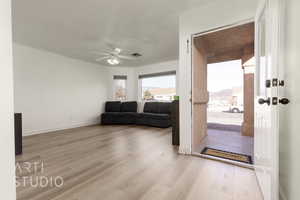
[{"x": 223, "y": 109}]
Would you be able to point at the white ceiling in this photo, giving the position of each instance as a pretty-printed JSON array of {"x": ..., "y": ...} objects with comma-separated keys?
[{"x": 76, "y": 28}]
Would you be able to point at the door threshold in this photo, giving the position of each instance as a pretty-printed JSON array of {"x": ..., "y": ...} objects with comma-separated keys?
[{"x": 239, "y": 164}]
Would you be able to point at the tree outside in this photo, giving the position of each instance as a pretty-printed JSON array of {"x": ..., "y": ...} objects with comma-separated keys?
[
  {"x": 148, "y": 95},
  {"x": 120, "y": 93}
]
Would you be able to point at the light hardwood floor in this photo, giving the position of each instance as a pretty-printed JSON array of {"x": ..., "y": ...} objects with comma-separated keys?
[{"x": 129, "y": 163}]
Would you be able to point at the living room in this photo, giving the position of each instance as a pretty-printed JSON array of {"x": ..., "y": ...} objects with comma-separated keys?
[
  {"x": 71, "y": 93},
  {"x": 97, "y": 100},
  {"x": 63, "y": 97},
  {"x": 61, "y": 100}
]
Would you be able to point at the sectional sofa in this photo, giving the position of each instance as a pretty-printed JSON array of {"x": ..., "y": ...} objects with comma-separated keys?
[{"x": 157, "y": 114}]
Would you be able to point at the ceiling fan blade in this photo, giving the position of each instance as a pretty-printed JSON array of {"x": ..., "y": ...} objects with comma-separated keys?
[
  {"x": 127, "y": 57},
  {"x": 102, "y": 58},
  {"x": 102, "y": 53}
]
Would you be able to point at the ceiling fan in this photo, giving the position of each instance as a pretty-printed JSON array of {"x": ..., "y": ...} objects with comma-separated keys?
[{"x": 115, "y": 56}]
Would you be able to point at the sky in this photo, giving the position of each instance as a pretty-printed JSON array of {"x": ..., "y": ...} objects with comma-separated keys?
[
  {"x": 224, "y": 75},
  {"x": 221, "y": 76},
  {"x": 160, "y": 82}
]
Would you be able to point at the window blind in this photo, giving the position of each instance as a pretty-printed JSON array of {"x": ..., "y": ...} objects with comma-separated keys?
[
  {"x": 157, "y": 74},
  {"x": 120, "y": 77}
]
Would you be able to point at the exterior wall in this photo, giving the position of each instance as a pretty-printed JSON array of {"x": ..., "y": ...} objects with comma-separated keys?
[
  {"x": 200, "y": 97},
  {"x": 197, "y": 20},
  {"x": 248, "y": 124}
]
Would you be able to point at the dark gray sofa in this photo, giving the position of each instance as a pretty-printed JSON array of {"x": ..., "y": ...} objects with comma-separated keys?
[
  {"x": 157, "y": 114},
  {"x": 119, "y": 113}
]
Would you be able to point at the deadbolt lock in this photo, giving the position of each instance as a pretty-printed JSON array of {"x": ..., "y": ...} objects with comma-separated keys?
[{"x": 283, "y": 101}]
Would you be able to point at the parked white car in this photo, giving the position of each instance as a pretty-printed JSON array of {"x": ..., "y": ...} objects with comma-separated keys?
[{"x": 236, "y": 109}]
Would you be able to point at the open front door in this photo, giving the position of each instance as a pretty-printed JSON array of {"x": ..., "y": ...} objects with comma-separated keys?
[{"x": 267, "y": 39}]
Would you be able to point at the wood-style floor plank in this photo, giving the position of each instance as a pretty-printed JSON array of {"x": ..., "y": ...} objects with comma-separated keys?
[{"x": 129, "y": 163}]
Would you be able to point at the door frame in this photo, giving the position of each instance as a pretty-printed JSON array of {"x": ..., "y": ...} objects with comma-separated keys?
[
  {"x": 7, "y": 173},
  {"x": 193, "y": 36}
]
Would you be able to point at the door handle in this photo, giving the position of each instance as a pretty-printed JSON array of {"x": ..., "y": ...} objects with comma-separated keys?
[
  {"x": 284, "y": 101},
  {"x": 262, "y": 101}
]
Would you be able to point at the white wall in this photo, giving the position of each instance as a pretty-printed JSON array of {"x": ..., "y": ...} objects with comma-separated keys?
[
  {"x": 171, "y": 65},
  {"x": 55, "y": 92},
  {"x": 289, "y": 157},
  {"x": 213, "y": 15},
  {"x": 7, "y": 150}
]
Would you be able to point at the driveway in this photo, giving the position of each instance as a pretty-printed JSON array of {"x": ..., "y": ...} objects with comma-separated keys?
[{"x": 226, "y": 118}]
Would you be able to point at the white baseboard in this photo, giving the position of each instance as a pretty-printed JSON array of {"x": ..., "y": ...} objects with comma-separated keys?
[
  {"x": 47, "y": 130},
  {"x": 281, "y": 194}
]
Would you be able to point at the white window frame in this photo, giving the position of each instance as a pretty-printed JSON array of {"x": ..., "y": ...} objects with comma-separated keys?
[
  {"x": 152, "y": 75},
  {"x": 119, "y": 77}
]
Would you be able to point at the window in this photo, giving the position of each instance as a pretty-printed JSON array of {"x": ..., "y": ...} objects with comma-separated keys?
[
  {"x": 159, "y": 86},
  {"x": 120, "y": 87}
]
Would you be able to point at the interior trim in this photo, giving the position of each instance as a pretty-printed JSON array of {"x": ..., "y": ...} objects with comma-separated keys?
[{"x": 242, "y": 22}]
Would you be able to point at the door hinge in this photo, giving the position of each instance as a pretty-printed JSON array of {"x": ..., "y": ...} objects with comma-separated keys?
[{"x": 187, "y": 46}]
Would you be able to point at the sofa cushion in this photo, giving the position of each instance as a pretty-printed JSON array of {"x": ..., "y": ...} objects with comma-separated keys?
[
  {"x": 121, "y": 114},
  {"x": 113, "y": 106},
  {"x": 154, "y": 119},
  {"x": 151, "y": 107},
  {"x": 129, "y": 106},
  {"x": 164, "y": 107},
  {"x": 119, "y": 118},
  {"x": 155, "y": 116},
  {"x": 158, "y": 107}
]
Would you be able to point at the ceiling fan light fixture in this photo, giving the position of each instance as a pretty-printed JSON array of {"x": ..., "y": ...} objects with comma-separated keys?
[
  {"x": 113, "y": 61},
  {"x": 118, "y": 50}
]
